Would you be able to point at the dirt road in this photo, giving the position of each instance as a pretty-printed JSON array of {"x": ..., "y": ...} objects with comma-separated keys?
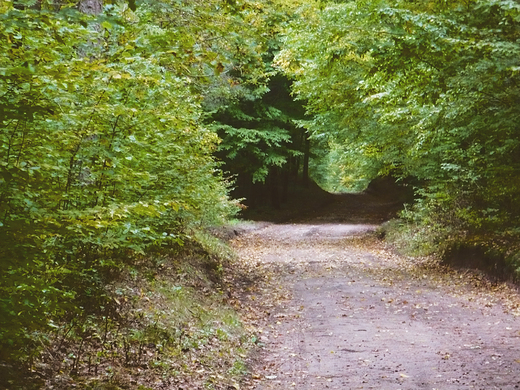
[{"x": 345, "y": 312}]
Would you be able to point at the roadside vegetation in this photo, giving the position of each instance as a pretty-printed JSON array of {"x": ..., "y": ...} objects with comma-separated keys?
[
  {"x": 108, "y": 181},
  {"x": 164, "y": 320}
]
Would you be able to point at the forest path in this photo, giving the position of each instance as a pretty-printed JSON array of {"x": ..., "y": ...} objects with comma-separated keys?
[{"x": 345, "y": 312}]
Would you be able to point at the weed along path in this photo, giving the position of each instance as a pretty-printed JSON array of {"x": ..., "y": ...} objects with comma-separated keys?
[{"x": 345, "y": 312}]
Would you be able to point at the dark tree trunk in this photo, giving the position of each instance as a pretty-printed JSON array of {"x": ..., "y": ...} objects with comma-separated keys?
[
  {"x": 273, "y": 187},
  {"x": 252, "y": 192},
  {"x": 285, "y": 185},
  {"x": 296, "y": 167},
  {"x": 306, "y": 157}
]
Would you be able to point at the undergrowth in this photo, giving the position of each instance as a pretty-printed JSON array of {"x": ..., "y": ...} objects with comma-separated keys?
[
  {"x": 164, "y": 321},
  {"x": 418, "y": 233}
]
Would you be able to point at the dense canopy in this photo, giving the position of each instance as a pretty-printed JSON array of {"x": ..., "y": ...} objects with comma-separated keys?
[{"x": 424, "y": 91}]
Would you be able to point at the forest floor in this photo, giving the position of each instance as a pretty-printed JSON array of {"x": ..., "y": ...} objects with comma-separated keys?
[{"x": 337, "y": 308}]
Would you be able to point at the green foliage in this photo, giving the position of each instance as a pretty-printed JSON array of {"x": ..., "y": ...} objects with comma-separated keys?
[
  {"x": 428, "y": 90},
  {"x": 251, "y": 108},
  {"x": 103, "y": 154},
  {"x": 341, "y": 168},
  {"x": 259, "y": 132}
]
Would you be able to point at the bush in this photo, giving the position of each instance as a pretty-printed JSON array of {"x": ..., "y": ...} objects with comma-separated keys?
[{"x": 103, "y": 158}]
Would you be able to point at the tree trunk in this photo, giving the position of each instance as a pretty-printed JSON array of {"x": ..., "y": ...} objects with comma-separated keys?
[
  {"x": 285, "y": 185},
  {"x": 91, "y": 7},
  {"x": 295, "y": 167},
  {"x": 273, "y": 184},
  {"x": 306, "y": 157}
]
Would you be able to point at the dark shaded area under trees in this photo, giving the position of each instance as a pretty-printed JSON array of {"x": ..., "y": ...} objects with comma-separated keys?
[{"x": 262, "y": 147}]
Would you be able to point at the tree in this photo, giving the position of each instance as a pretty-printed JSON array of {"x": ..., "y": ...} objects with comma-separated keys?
[
  {"x": 104, "y": 155},
  {"x": 261, "y": 142},
  {"x": 420, "y": 89},
  {"x": 263, "y": 146}
]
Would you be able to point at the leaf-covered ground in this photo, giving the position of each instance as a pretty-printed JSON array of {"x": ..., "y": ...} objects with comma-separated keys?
[{"x": 344, "y": 311}]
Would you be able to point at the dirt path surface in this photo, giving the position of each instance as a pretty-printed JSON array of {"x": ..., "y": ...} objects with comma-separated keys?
[{"x": 346, "y": 312}]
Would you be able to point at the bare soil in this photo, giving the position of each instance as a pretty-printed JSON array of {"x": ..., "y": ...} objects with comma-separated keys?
[{"x": 344, "y": 311}]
